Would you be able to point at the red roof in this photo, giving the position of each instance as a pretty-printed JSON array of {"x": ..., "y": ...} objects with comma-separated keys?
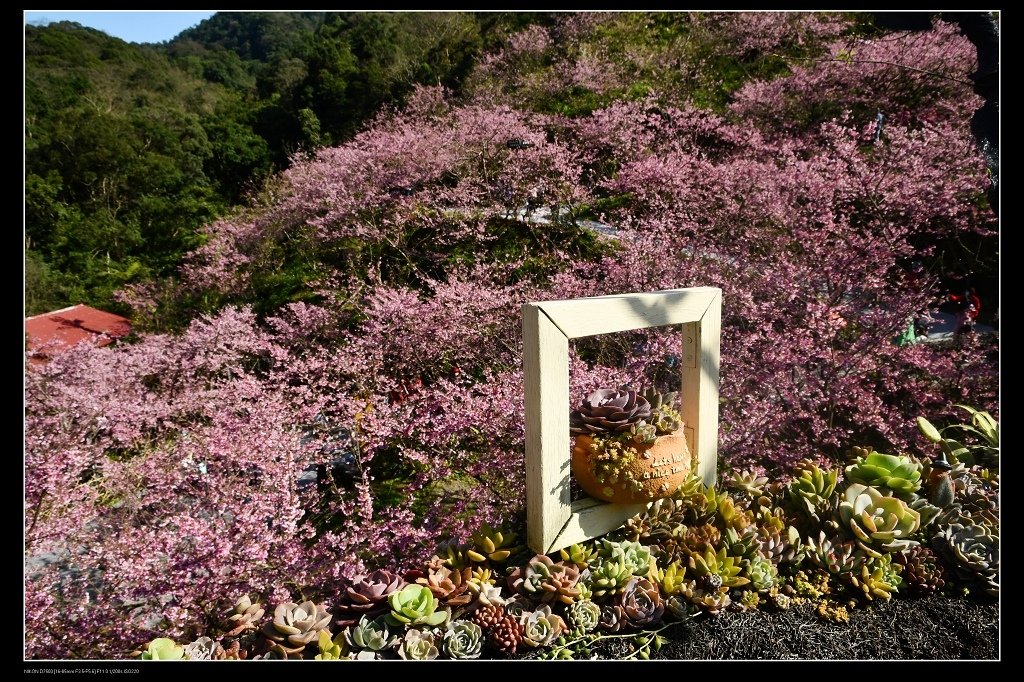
[{"x": 69, "y": 326}]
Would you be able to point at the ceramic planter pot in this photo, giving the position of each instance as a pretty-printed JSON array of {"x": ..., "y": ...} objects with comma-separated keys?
[{"x": 660, "y": 468}]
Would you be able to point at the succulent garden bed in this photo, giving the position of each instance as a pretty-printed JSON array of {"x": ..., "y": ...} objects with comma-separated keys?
[{"x": 891, "y": 556}]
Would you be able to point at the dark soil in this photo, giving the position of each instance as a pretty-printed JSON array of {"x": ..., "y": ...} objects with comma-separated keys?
[{"x": 934, "y": 627}]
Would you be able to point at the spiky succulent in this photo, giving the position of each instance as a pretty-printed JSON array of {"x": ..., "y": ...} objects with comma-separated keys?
[
  {"x": 665, "y": 416},
  {"x": 741, "y": 544},
  {"x": 641, "y": 602},
  {"x": 244, "y": 616},
  {"x": 609, "y": 411},
  {"x": 608, "y": 576},
  {"x": 812, "y": 491},
  {"x": 879, "y": 524},
  {"x": 296, "y": 625},
  {"x": 720, "y": 564},
  {"x": 877, "y": 577},
  {"x": 671, "y": 578},
  {"x": 418, "y": 645},
  {"x": 453, "y": 555},
  {"x": 163, "y": 649},
  {"x": 368, "y": 595},
  {"x": 541, "y": 627},
  {"x": 579, "y": 555},
  {"x": 762, "y": 574},
  {"x": 972, "y": 552},
  {"x": 922, "y": 570},
  {"x": 834, "y": 556},
  {"x": 583, "y": 615},
  {"x": 899, "y": 474},
  {"x": 506, "y": 635},
  {"x": 202, "y": 649},
  {"x": 464, "y": 639},
  {"x": 415, "y": 605},
  {"x": 331, "y": 649},
  {"x": 371, "y": 634},
  {"x": 633, "y": 555},
  {"x": 491, "y": 545},
  {"x": 746, "y": 483}
]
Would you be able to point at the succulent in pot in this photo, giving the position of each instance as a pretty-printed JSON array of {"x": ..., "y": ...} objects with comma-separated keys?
[{"x": 627, "y": 451}]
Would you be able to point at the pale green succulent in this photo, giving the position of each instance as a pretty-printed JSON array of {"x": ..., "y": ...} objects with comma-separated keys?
[
  {"x": 878, "y": 523},
  {"x": 464, "y": 639},
  {"x": 746, "y": 483},
  {"x": 415, "y": 605},
  {"x": 897, "y": 473},
  {"x": 636, "y": 557},
  {"x": 541, "y": 627},
  {"x": 163, "y": 649},
  {"x": 418, "y": 645},
  {"x": 331, "y": 649},
  {"x": 608, "y": 576},
  {"x": 762, "y": 574},
  {"x": 973, "y": 552},
  {"x": 719, "y": 564},
  {"x": 371, "y": 634},
  {"x": 813, "y": 489},
  {"x": 583, "y": 615}
]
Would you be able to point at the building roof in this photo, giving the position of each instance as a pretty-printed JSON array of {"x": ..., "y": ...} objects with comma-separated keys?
[{"x": 69, "y": 326}]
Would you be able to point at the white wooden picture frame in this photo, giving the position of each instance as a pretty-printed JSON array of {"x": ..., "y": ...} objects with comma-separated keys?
[{"x": 553, "y": 520}]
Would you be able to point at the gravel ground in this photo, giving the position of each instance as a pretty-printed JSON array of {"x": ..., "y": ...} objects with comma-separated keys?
[{"x": 932, "y": 627}]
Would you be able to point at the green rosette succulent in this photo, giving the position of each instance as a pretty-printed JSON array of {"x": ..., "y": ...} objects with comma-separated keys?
[
  {"x": 418, "y": 645},
  {"x": 879, "y": 524},
  {"x": 544, "y": 580},
  {"x": 762, "y": 574},
  {"x": 163, "y": 649},
  {"x": 671, "y": 578},
  {"x": 812, "y": 491},
  {"x": 633, "y": 555},
  {"x": 972, "y": 552},
  {"x": 899, "y": 474},
  {"x": 490, "y": 544},
  {"x": 541, "y": 627},
  {"x": 464, "y": 639},
  {"x": 415, "y": 605},
  {"x": 718, "y": 564},
  {"x": 608, "y": 576},
  {"x": 583, "y": 615},
  {"x": 371, "y": 634}
]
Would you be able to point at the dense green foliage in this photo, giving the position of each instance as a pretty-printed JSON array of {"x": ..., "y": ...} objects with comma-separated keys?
[{"x": 131, "y": 148}]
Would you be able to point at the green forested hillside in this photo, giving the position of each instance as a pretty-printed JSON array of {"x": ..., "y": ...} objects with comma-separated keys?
[{"x": 130, "y": 148}]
